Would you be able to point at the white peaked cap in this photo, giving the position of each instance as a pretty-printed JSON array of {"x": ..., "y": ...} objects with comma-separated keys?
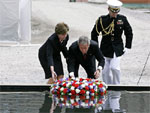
[{"x": 114, "y": 3}]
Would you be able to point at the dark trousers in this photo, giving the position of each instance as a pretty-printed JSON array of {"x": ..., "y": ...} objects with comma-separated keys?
[{"x": 58, "y": 67}]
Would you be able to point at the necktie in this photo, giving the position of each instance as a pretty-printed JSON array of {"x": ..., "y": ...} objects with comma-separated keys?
[{"x": 84, "y": 56}]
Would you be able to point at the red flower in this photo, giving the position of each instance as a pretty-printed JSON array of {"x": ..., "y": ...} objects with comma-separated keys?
[
  {"x": 100, "y": 85},
  {"x": 92, "y": 98},
  {"x": 100, "y": 102},
  {"x": 82, "y": 97},
  {"x": 59, "y": 89},
  {"x": 65, "y": 97},
  {"x": 92, "y": 90},
  {"x": 76, "y": 85},
  {"x": 65, "y": 90},
  {"x": 73, "y": 97},
  {"x": 73, "y": 92},
  {"x": 58, "y": 92},
  {"x": 91, "y": 84},
  {"x": 96, "y": 80},
  {"x": 96, "y": 94},
  {"x": 105, "y": 92},
  {"x": 88, "y": 79},
  {"x": 102, "y": 93},
  {"x": 64, "y": 85},
  {"x": 86, "y": 88},
  {"x": 53, "y": 91},
  {"x": 81, "y": 83},
  {"x": 59, "y": 81},
  {"x": 75, "y": 104},
  {"x": 82, "y": 91},
  {"x": 81, "y": 79},
  {"x": 86, "y": 101}
]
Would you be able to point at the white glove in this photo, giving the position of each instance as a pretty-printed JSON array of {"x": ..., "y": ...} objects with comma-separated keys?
[{"x": 71, "y": 74}]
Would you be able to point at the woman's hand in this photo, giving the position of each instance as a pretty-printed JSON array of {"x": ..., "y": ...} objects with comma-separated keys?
[{"x": 54, "y": 75}]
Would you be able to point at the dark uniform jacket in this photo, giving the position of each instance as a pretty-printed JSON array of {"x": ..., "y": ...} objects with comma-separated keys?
[
  {"x": 113, "y": 42},
  {"x": 76, "y": 56},
  {"x": 49, "y": 54}
]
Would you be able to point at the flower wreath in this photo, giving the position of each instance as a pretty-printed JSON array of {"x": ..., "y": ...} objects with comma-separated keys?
[{"x": 78, "y": 86}]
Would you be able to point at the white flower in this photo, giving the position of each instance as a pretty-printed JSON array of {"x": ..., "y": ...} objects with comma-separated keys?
[
  {"x": 69, "y": 94},
  {"x": 87, "y": 92},
  {"x": 57, "y": 87},
  {"x": 57, "y": 83},
  {"x": 87, "y": 97},
  {"x": 92, "y": 94},
  {"x": 72, "y": 101},
  {"x": 77, "y": 82},
  {"x": 91, "y": 103},
  {"x": 86, "y": 104},
  {"x": 61, "y": 89},
  {"x": 77, "y": 79},
  {"x": 83, "y": 104},
  {"x": 68, "y": 84},
  {"x": 96, "y": 88},
  {"x": 72, "y": 87},
  {"x": 77, "y": 98},
  {"x": 103, "y": 89},
  {"x": 52, "y": 89},
  {"x": 77, "y": 91},
  {"x": 63, "y": 104},
  {"x": 84, "y": 81},
  {"x": 86, "y": 84},
  {"x": 105, "y": 85},
  {"x": 83, "y": 85},
  {"x": 67, "y": 104},
  {"x": 61, "y": 99},
  {"x": 77, "y": 106},
  {"x": 91, "y": 87}
]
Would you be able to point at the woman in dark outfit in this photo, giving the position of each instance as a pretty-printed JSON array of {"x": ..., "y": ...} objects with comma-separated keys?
[{"x": 49, "y": 53}]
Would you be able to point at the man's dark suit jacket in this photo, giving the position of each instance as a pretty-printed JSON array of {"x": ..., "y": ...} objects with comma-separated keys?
[
  {"x": 49, "y": 54},
  {"x": 76, "y": 58}
]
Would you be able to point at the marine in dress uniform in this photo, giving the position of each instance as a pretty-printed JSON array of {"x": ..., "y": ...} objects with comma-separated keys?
[
  {"x": 111, "y": 27},
  {"x": 83, "y": 52},
  {"x": 49, "y": 52}
]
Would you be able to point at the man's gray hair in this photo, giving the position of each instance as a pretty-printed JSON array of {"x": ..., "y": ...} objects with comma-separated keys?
[{"x": 84, "y": 40}]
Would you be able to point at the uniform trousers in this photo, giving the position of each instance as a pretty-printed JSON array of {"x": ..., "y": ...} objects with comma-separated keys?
[
  {"x": 112, "y": 102},
  {"x": 111, "y": 72}
]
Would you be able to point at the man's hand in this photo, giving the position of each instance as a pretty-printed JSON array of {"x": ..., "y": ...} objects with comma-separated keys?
[{"x": 97, "y": 74}]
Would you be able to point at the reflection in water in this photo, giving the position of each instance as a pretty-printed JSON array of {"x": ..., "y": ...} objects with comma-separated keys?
[
  {"x": 112, "y": 102},
  {"x": 39, "y": 102},
  {"x": 115, "y": 102},
  {"x": 84, "y": 104},
  {"x": 71, "y": 104}
]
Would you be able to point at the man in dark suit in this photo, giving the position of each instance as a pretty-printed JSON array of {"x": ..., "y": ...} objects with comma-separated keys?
[
  {"x": 49, "y": 53},
  {"x": 83, "y": 52},
  {"x": 111, "y": 27}
]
